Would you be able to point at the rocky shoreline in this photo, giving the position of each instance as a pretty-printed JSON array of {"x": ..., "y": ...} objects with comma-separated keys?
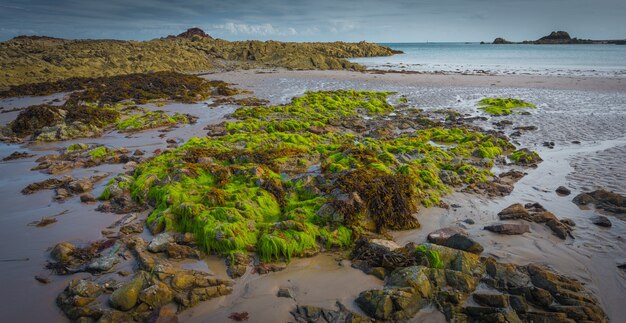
[{"x": 344, "y": 177}]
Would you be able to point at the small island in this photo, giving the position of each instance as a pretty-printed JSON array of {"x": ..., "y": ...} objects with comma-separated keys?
[{"x": 559, "y": 38}]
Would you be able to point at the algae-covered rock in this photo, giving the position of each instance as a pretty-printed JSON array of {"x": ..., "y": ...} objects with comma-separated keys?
[
  {"x": 392, "y": 304},
  {"x": 156, "y": 295},
  {"x": 63, "y": 251},
  {"x": 125, "y": 297}
]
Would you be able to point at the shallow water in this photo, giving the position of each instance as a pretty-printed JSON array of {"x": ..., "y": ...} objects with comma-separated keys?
[
  {"x": 577, "y": 60},
  {"x": 596, "y": 119}
]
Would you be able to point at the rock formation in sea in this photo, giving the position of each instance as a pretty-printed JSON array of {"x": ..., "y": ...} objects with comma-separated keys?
[{"x": 559, "y": 38}]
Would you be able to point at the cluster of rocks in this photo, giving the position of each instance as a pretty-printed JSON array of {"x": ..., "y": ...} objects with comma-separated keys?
[
  {"x": 17, "y": 155},
  {"x": 67, "y": 186},
  {"x": 83, "y": 157},
  {"x": 535, "y": 212},
  {"x": 467, "y": 287},
  {"x": 157, "y": 290},
  {"x": 118, "y": 198}
]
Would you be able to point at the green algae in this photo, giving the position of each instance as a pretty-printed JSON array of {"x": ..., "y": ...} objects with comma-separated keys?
[
  {"x": 99, "y": 152},
  {"x": 149, "y": 120},
  {"x": 524, "y": 157},
  {"x": 503, "y": 106},
  {"x": 433, "y": 256},
  {"x": 243, "y": 190}
]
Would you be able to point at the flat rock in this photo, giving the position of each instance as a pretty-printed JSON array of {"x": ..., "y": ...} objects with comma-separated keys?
[
  {"x": 514, "y": 212},
  {"x": 509, "y": 228},
  {"x": 441, "y": 235}
]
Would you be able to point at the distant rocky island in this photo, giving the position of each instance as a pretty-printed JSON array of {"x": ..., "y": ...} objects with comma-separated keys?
[
  {"x": 32, "y": 59},
  {"x": 559, "y": 38}
]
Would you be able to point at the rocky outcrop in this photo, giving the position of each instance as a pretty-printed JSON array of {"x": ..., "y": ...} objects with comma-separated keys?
[
  {"x": 535, "y": 212},
  {"x": 500, "y": 40},
  {"x": 559, "y": 38},
  {"x": 192, "y": 51},
  {"x": 511, "y": 293},
  {"x": 313, "y": 314},
  {"x": 603, "y": 199}
]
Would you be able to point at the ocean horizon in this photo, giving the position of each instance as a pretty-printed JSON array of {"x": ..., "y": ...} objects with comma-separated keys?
[{"x": 527, "y": 59}]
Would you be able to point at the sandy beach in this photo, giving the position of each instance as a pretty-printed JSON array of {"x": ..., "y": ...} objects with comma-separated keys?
[{"x": 585, "y": 117}]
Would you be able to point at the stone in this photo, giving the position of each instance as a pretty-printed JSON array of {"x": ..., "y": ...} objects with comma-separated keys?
[
  {"x": 176, "y": 251},
  {"x": 87, "y": 198},
  {"x": 603, "y": 199},
  {"x": 509, "y": 228},
  {"x": 390, "y": 304},
  {"x": 104, "y": 263},
  {"x": 284, "y": 292},
  {"x": 463, "y": 242},
  {"x": 63, "y": 252},
  {"x": 383, "y": 245},
  {"x": 441, "y": 235},
  {"x": 514, "y": 212},
  {"x": 563, "y": 190},
  {"x": 602, "y": 221},
  {"x": 491, "y": 300},
  {"x": 125, "y": 297},
  {"x": 160, "y": 242},
  {"x": 416, "y": 277},
  {"x": 156, "y": 295}
]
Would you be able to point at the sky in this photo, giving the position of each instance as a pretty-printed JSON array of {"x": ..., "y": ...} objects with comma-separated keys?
[{"x": 316, "y": 20}]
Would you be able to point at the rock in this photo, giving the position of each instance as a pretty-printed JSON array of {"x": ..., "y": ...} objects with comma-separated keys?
[
  {"x": 563, "y": 190},
  {"x": 160, "y": 242},
  {"x": 176, "y": 251},
  {"x": 416, "y": 277},
  {"x": 63, "y": 252},
  {"x": 305, "y": 313},
  {"x": 104, "y": 263},
  {"x": 450, "y": 177},
  {"x": 125, "y": 297},
  {"x": 441, "y": 235},
  {"x": 84, "y": 288},
  {"x": 383, "y": 245},
  {"x": 509, "y": 228},
  {"x": 469, "y": 221},
  {"x": 568, "y": 222},
  {"x": 42, "y": 279},
  {"x": 390, "y": 304},
  {"x": 491, "y": 300},
  {"x": 80, "y": 186},
  {"x": 156, "y": 295},
  {"x": 603, "y": 199},
  {"x": 237, "y": 264},
  {"x": 513, "y": 212},
  {"x": 284, "y": 292},
  {"x": 602, "y": 221},
  {"x": 87, "y": 198},
  {"x": 463, "y": 242}
]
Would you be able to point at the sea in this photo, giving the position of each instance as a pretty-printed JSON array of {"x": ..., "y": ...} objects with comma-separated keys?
[{"x": 476, "y": 58}]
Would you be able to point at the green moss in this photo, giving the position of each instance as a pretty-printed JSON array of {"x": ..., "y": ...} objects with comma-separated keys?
[{"x": 502, "y": 106}]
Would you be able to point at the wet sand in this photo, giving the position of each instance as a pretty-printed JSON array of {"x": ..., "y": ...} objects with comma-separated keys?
[{"x": 592, "y": 111}]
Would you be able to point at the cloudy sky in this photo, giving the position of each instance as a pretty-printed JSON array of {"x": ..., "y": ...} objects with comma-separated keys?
[{"x": 316, "y": 20}]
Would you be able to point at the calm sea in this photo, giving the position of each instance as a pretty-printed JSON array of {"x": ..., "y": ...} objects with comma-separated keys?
[{"x": 586, "y": 60}]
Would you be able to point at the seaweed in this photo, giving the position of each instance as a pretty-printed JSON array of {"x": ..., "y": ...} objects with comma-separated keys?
[
  {"x": 432, "y": 256},
  {"x": 503, "y": 106}
]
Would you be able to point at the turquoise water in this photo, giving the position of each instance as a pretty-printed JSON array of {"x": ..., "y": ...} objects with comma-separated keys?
[{"x": 586, "y": 60}]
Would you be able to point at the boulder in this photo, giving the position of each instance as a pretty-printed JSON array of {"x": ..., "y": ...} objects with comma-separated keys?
[
  {"x": 463, "y": 242},
  {"x": 491, "y": 300},
  {"x": 389, "y": 304},
  {"x": 602, "y": 221},
  {"x": 63, "y": 252},
  {"x": 156, "y": 295},
  {"x": 513, "y": 212},
  {"x": 160, "y": 242},
  {"x": 125, "y": 297},
  {"x": 509, "y": 228},
  {"x": 441, "y": 235},
  {"x": 563, "y": 190}
]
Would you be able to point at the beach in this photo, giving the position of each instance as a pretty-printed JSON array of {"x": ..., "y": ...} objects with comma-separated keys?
[{"x": 583, "y": 116}]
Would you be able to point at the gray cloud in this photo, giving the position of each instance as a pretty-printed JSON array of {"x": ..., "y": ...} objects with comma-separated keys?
[{"x": 351, "y": 20}]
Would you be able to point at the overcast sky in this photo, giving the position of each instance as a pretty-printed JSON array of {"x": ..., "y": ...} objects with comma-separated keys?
[{"x": 316, "y": 20}]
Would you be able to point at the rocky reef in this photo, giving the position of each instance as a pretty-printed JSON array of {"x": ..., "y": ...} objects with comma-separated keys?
[
  {"x": 95, "y": 105},
  {"x": 559, "y": 38},
  {"x": 27, "y": 60}
]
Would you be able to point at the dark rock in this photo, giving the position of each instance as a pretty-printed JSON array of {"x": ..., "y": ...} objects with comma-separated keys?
[
  {"x": 42, "y": 279},
  {"x": 513, "y": 212},
  {"x": 491, "y": 300},
  {"x": 563, "y": 190},
  {"x": 509, "y": 228},
  {"x": 312, "y": 314},
  {"x": 284, "y": 292},
  {"x": 441, "y": 235},
  {"x": 87, "y": 198},
  {"x": 602, "y": 221},
  {"x": 391, "y": 304},
  {"x": 469, "y": 221},
  {"x": 63, "y": 251},
  {"x": 463, "y": 242},
  {"x": 603, "y": 199}
]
